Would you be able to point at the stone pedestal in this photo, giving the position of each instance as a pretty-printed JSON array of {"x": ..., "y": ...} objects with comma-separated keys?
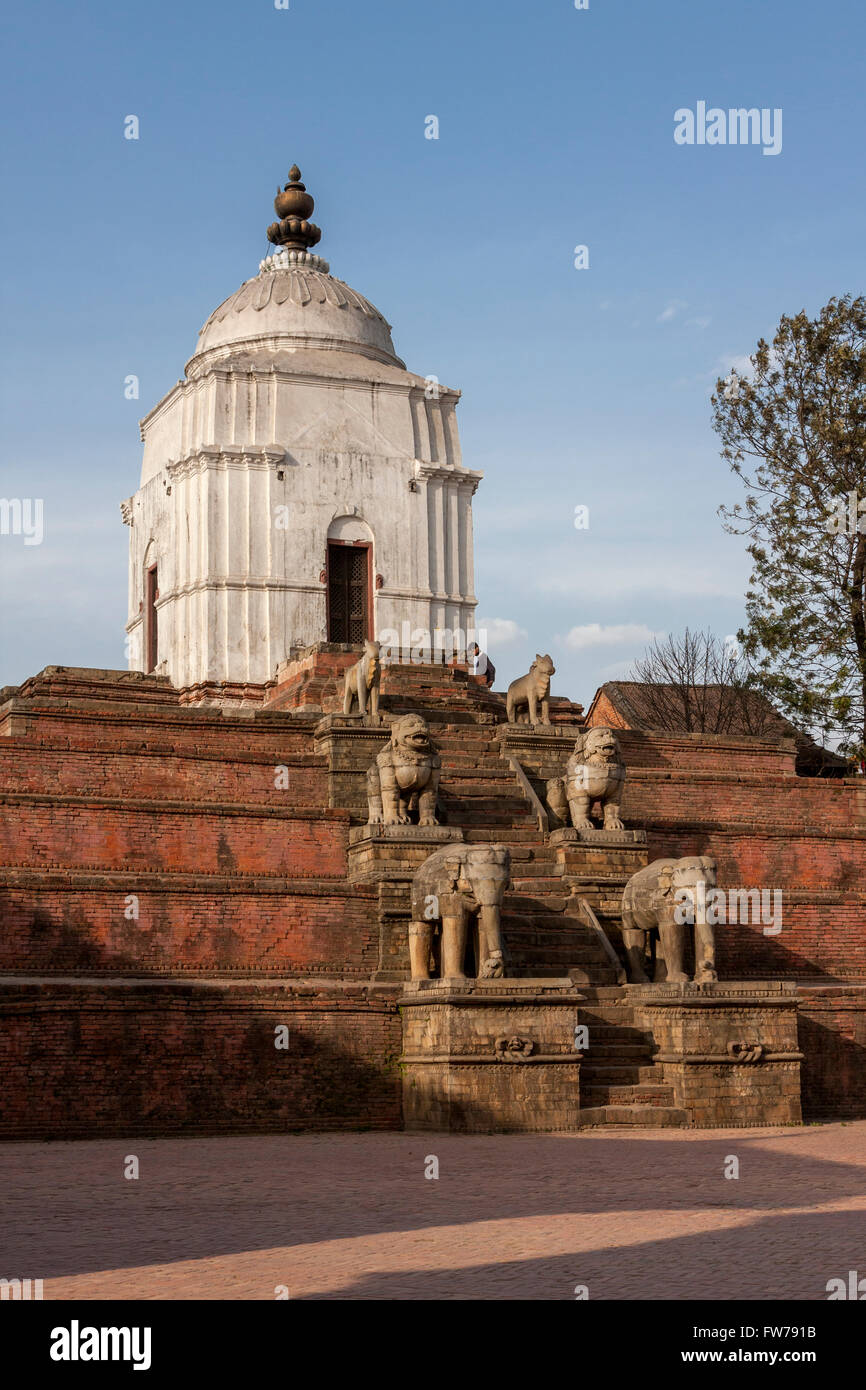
[
  {"x": 490, "y": 1056},
  {"x": 597, "y": 838},
  {"x": 378, "y": 851},
  {"x": 389, "y": 855},
  {"x": 597, "y": 864},
  {"x": 542, "y": 749},
  {"x": 350, "y": 743},
  {"x": 729, "y": 1050}
]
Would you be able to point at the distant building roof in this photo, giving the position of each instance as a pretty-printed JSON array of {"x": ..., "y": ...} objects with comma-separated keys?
[{"x": 711, "y": 709}]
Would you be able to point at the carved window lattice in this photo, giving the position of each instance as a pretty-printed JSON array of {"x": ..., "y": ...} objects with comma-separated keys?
[
  {"x": 347, "y": 593},
  {"x": 151, "y": 623}
]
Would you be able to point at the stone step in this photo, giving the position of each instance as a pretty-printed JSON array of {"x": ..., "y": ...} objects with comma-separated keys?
[
  {"x": 640, "y": 1093},
  {"x": 604, "y": 999},
  {"x": 613, "y": 1015},
  {"x": 475, "y": 804},
  {"x": 647, "y": 1116},
  {"x": 492, "y": 771},
  {"x": 611, "y": 1028},
  {"x": 479, "y": 818},
  {"x": 538, "y": 882},
  {"x": 607, "y": 1051},
  {"x": 605, "y": 1073},
  {"x": 469, "y": 755},
  {"x": 561, "y": 941},
  {"x": 535, "y": 969},
  {"x": 473, "y": 794},
  {"x": 589, "y": 972},
  {"x": 523, "y": 957},
  {"x": 551, "y": 928},
  {"x": 528, "y": 836},
  {"x": 602, "y": 1036}
]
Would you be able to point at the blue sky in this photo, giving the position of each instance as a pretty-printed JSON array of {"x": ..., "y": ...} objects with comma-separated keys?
[{"x": 580, "y": 387}]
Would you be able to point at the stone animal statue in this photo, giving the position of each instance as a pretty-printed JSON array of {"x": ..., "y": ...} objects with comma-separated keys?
[
  {"x": 362, "y": 681},
  {"x": 459, "y": 883},
  {"x": 666, "y": 894},
  {"x": 530, "y": 691},
  {"x": 595, "y": 772},
  {"x": 405, "y": 776}
]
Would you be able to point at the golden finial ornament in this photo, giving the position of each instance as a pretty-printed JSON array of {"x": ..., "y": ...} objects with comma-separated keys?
[{"x": 294, "y": 206}]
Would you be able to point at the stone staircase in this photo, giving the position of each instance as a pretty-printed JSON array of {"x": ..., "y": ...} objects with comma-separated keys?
[
  {"x": 545, "y": 934},
  {"x": 619, "y": 1082}
]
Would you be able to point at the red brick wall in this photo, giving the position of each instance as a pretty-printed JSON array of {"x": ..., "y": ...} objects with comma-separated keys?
[
  {"x": 77, "y": 923},
  {"x": 110, "y": 788},
  {"x": 739, "y": 800},
  {"x": 152, "y": 837},
  {"x": 832, "y": 1029},
  {"x": 90, "y": 1060},
  {"x": 220, "y": 776}
]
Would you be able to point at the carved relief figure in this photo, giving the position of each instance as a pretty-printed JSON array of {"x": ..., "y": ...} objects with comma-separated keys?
[
  {"x": 654, "y": 897},
  {"x": 595, "y": 772},
  {"x": 361, "y": 682},
  {"x": 530, "y": 691},
  {"x": 405, "y": 776},
  {"x": 457, "y": 885},
  {"x": 513, "y": 1049}
]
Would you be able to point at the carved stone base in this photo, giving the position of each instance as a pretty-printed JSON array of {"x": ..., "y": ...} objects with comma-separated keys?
[
  {"x": 490, "y": 1056},
  {"x": 729, "y": 1050},
  {"x": 380, "y": 851},
  {"x": 522, "y": 736},
  {"x": 350, "y": 744},
  {"x": 597, "y": 868},
  {"x": 601, "y": 838}
]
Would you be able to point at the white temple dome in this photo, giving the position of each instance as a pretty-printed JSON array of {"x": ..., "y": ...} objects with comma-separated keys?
[
  {"x": 294, "y": 302},
  {"x": 298, "y": 485}
]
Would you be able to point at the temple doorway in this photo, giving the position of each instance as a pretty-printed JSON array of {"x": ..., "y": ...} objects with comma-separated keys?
[{"x": 349, "y": 591}]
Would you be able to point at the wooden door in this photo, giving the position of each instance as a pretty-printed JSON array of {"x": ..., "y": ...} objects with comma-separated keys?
[{"x": 349, "y": 593}]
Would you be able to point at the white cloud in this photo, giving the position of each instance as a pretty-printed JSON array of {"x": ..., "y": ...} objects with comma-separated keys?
[
  {"x": 671, "y": 310},
  {"x": 614, "y": 635},
  {"x": 740, "y": 363},
  {"x": 500, "y": 631},
  {"x": 699, "y": 321}
]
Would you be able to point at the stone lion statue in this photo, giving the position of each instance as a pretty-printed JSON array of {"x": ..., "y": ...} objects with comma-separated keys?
[
  {"x": 405, "y": 776},
  {"x": 595, "y": 772},
  {"x": 362, "y": 680},
  {"x": 530, "y": 691}
]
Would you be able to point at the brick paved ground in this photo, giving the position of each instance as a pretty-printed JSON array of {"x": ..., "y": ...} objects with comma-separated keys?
[{"x": 646, "y": 1215}]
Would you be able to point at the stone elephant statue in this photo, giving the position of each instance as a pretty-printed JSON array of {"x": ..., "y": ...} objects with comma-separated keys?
[
  {"x": 670, "y": 894},
  {"x": 455, "y": 885}
]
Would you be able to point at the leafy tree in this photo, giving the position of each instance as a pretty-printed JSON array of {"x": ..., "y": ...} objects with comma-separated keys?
[{"x": 795, "y": 433}]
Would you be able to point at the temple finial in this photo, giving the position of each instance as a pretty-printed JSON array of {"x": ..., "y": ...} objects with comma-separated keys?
[{"x": 294, "y": 206}]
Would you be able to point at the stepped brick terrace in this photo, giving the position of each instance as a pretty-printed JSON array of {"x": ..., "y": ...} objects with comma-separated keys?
[{"x": 177, "y": 883}]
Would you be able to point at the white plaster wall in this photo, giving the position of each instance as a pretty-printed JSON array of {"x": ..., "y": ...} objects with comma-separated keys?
[{"x": 351, "y": 437}]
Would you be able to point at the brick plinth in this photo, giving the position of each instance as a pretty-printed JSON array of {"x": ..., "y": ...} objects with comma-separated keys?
[{"x": 176, "y": 855}]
